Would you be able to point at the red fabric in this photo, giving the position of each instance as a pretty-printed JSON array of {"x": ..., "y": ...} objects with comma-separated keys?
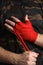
[
  {"x": 26, "y": 31},
  {"x": 23, "y": 44}
]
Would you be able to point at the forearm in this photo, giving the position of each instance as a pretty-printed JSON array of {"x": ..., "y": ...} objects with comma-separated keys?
[
  {"x": 6, "y": 56},
  {"x": 39, "y": 40},
  {"x": 26, "y": 58}
]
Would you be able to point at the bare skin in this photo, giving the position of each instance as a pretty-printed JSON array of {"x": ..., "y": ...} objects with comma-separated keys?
[
  {"x": 38, "y": 41},
  {"x": 26, "y": 58}
]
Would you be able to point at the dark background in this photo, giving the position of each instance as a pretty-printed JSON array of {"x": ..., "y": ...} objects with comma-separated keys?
[{"x": 19, "y": 8}]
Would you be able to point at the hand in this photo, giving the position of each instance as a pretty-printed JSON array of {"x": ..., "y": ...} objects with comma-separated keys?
[
  {"x": 26, "y": 29},
  {"x": 26, "y": 58}
]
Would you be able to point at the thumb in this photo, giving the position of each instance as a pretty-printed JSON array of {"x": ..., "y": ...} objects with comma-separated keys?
[{"x": 26, "y": 19}]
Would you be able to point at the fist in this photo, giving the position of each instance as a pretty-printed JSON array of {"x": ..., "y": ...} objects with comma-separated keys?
[{"x": 26, "y": 58}]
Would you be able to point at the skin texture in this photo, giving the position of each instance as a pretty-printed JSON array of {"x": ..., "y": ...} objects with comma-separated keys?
[
  {"x": 26, "y": 58},
  {"x": 39, "y": 40},
  {"x": 39, "y": 37}
]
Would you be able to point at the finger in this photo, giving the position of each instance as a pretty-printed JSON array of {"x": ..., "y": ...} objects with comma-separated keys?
[
  {"x": 15, "y": 19},
  {"x": 31, "y": 53},
  {"x": 30, "y": 58},
  {"x": 31, "y": 63},
  {"x": 13, "y": 24},
  {"x": 8, "y": 26},
  {"x": 26, "y": 19},
  {"x": 11, "y": 28},
  {"x": 10, "y": 22},
  {"x": 34, "y": 54}
]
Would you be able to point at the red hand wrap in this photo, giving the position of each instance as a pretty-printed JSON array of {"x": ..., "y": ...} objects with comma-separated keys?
[
  {"x": 21, "y": 40},
  {"x": 26, "y": 30}
]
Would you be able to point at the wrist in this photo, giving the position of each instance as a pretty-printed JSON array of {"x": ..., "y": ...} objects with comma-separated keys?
[
  {"x": 39, "y": 40},
  {"x": 15, "y": 58},
  {"x": 34, "y": 36}
]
